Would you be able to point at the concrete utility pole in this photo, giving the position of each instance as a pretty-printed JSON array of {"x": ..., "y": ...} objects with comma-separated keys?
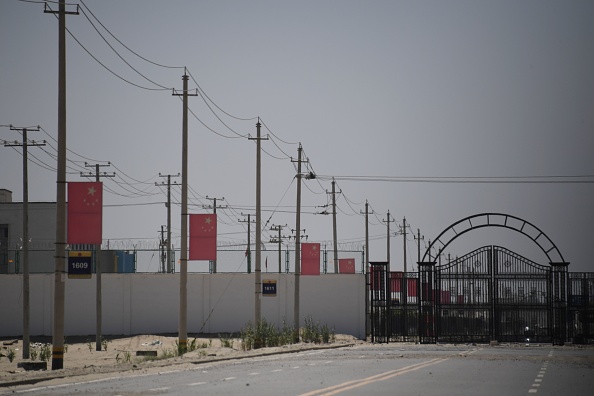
[
  {"x": 388, "y": 240},
  {"x": 418, "y": 238},
  {"x": 162, "y": 244},
  {"x": 258, "y": 283},
  {"x": 367, "y": 213},
  {"x": 213, "y": 263},
  {"x": 297, "y": 246},
  {"x": 367, "y": 324},
  {"x": 249, "y": 243},
  {"x": 405, "y": 286},
  {"x": 168, "y": 205},
  {"x": 26, "y": 304},
  {"x": 278, "y": 240},
  {"x": 60, "y": 255},
  {"x": 334, "y": 236},
  {"x": 403, "y": 232},
  {"x": 98, "y": 308},
  {"x": 183, "y": 271}
]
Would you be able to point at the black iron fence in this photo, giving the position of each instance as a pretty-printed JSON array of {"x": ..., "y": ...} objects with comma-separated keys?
[{"x": 490, "y": 294}]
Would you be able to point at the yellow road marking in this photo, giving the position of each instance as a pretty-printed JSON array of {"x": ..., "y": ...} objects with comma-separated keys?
[{"x": 345, "y": 386}]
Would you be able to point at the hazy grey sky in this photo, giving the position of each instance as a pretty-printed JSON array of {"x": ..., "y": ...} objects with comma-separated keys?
[{"x": 370, "y": 88}]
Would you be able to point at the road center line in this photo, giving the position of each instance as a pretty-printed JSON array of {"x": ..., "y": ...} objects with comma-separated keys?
[{"x": 349, "y": 385}]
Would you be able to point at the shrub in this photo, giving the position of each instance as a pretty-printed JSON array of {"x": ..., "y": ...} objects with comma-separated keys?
[{"x": 226, "y": 341}]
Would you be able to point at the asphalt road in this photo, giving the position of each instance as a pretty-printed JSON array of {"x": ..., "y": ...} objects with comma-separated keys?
[{"x": 394, "y": 369}]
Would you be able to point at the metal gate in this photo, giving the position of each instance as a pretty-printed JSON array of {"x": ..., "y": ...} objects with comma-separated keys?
[
  {"x": 490, "y": 294},
  {"x": 580, "y": 310}
]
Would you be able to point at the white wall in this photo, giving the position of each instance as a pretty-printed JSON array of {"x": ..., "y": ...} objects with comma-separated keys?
[{"x": 149, "y": 303}]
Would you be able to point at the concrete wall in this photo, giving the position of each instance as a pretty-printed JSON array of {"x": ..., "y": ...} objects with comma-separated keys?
[{"x": 149, "y": 303}]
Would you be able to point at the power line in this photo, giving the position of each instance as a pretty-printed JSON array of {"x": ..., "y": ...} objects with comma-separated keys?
[
  {"x": 103, "y": 65},
  {"x": 117, "y": 53},
  {"x": 217, "y": 106},
  {"x": 562, "y": 179},
  {"x": 123, "y": 45}
]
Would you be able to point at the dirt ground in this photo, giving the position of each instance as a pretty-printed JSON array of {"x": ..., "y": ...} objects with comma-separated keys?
[{"x": 121, "y": 354}]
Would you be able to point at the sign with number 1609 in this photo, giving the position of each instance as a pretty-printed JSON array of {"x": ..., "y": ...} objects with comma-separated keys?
[{"x": 80, "y": 265}]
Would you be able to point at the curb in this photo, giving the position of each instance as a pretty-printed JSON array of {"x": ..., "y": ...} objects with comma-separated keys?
[{"x": 162, "y": 363}]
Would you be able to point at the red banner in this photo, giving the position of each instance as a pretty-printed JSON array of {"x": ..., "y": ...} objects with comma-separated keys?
[
  {"x": 85, "y": 213},
  {"x": 203, "y": 237},
  {"x": 412, "y": 287},
  {"x": 310, "y": 259},
  {"x": 445, "y": 297},
  {"x": 396, "y": 281},
  {"x": 346, "y": 266}
]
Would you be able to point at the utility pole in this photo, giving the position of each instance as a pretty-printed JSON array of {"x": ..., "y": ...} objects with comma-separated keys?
[
  {"x": 405, "y": 279},
  {"x": 26, "y": 304},
  {"x": 98, "y": 308},
  {"x": 258, "y": 283},
  {"x": 367, "y": 267},
  {"x": 388, "y": 240},
  {"x": 278, "y": 240},
  {"x": 335, "y": 239},
  {"x": 183, "y": 272},
  {"x": 367, "y": 213},
  {"x": 297, "y": 246},
  {"x": 60, "y": 255},
  {"x": 403, "y": 232},
  {"x": 162, "y": 244},
  {"x": 418, "y": 238},
  {"x": 168, "y": 205},
  {"x": 213, "y": 263},
  {"x": 248, "y": 250}
]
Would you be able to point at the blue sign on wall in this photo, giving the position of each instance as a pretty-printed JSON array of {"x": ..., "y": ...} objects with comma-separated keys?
[
  {"x": 269, "y": 287},
  {"x": 80, "y": 265}
]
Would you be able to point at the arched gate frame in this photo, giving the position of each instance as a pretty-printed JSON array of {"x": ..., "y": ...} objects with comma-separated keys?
[{"x": 492, "y": 293}]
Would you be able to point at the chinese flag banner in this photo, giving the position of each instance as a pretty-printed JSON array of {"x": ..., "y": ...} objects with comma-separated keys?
[
  {"x": 346, "y": 266},
  {"x": 203, "y": 237},
  {"x": 310, "y": 259},
  {"x": 85, "y": 213}
]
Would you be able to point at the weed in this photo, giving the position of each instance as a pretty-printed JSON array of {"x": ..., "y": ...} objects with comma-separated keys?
[
  {"x": 265, "y": 334},
  {"x": 179, "y": 349},
  {"x": 167, "y": 353},
  {"x": 46, "y": 353},
  {"x": 117, "y": 358},
  {"x": 192, "y": 345},
  {"x": 226, "y": 342},
  {"x": 311, "y": 331},
  {"x": 127, "y": 356},
  {"x": 11, "y": 355},
  {"x": 104, "y": 342},
  {"x": 90, "y": 345},
  {"x": 33, "y": 353},
  {"x": 328, "y": 334}
]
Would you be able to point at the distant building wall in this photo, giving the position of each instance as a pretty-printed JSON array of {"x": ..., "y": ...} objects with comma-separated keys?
[
  {"x": 42, "y": 235},
  {"x": 5, "y": 195},
  {"x": 149, "y": 303}
]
